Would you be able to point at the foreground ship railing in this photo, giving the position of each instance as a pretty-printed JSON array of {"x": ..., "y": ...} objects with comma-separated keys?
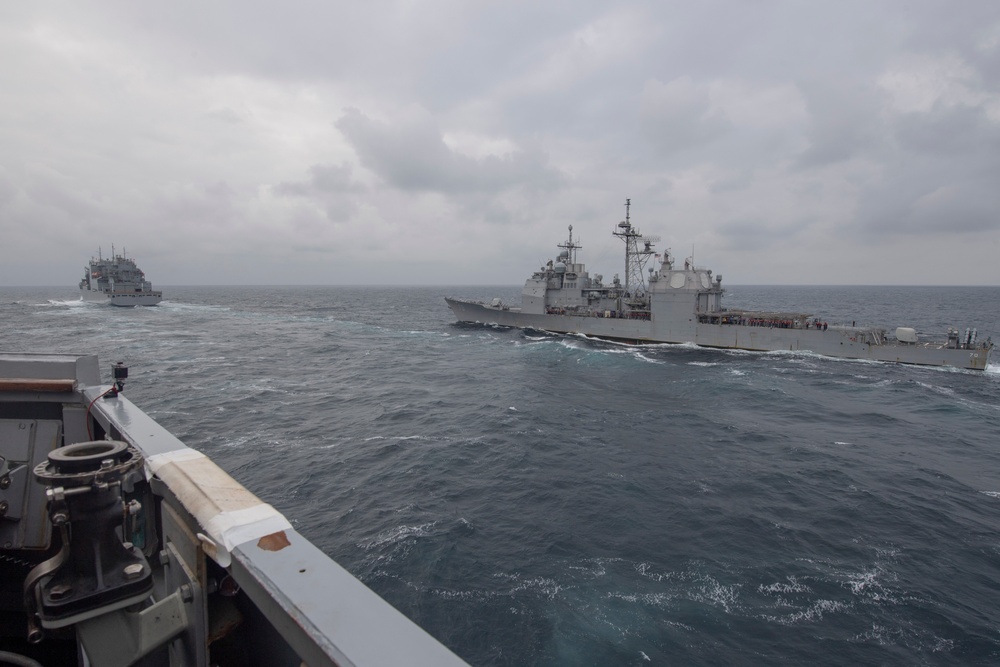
[{"x": 119, "y": 545}]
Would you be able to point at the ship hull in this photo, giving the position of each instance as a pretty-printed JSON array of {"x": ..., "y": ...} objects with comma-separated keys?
[
  {"x": 122, "y": 299},
  {"x": 283, "y": 596},
  {"x": 832, "y": 342}
]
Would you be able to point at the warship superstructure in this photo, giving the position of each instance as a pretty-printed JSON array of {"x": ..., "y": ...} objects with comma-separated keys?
[
  {"x": 118, "y": 281},
  {"x": 119, "y": 545},
  {"x": 682, "y": 303}
]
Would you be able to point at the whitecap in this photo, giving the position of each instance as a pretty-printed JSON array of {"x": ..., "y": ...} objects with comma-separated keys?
[
  {"x": 547, "y": 587},
  {"x": 71, "y": 303},
  {"x": 642, "y": 357},
  {"x": 811, "y": 614},
  {"x": 397, "y": 534},
  {"x": 790, "y": 585}
]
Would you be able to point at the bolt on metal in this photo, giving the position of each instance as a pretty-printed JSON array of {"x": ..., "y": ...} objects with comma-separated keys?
[{"x": 132, "y": 571}]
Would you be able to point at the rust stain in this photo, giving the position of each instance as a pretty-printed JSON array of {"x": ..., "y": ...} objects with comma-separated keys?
[
  {"x": 33, "y": 384},
  {"x": 274, "y": 541}
]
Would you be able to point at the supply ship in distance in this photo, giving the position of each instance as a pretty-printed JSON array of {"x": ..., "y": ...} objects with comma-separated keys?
[
  {"x": 683, "y": 304},
  {"x": 117, "y": 281}
]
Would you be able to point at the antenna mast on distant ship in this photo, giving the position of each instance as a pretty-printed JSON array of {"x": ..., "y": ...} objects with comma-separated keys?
[
  {"x": 636, "y": 256},
  {"x": 570, "y": 247}
]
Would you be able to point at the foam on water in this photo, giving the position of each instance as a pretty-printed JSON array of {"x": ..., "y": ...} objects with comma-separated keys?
[{"x": 68, "y": 303}]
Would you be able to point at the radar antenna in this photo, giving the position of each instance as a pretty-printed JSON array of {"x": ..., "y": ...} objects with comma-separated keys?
[
  {"x": 638, "y": 250},
  {"x": 570, "y": 247}
]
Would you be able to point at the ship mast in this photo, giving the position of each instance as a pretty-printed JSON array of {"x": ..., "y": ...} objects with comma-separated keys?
[
  {"x": 570, "y": 247},
  {"x": 636, "y": 255}
]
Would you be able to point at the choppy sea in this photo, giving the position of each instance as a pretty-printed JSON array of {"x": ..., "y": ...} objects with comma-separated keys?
[{"x": 552, "y": 500}]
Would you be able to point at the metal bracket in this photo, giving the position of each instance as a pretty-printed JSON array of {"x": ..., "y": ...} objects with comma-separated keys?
[{"x": 136, "y": 634}]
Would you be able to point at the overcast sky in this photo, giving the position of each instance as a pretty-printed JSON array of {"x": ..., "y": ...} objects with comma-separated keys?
[{"x": 453, "y": 142}]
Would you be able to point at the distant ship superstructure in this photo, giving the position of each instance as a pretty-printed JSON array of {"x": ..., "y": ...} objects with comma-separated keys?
[
  {"x": 118, "y": 281},
  {"x": 683, "y": 304}
]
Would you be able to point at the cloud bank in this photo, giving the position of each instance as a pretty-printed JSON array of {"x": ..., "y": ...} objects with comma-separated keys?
[{"x": 452, "y": 143}]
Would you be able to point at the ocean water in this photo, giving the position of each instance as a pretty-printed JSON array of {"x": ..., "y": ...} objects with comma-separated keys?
[{"x": 552, "y": 500}]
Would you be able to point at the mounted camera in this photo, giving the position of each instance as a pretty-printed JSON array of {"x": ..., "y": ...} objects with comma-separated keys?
[{"x": 118, "y": 373}]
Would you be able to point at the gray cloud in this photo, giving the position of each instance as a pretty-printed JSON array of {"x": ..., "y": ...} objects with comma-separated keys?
[
  {"x": 844, "y": 122},
  {"x": 226, "y": 115},
  {"x": 746, "y": 235},
  {"x": 677, "y": 115},
  {"x": 54, "y": 190},
  {"x": 323, "y": 179},
  {"x": 945, "y": 183},
  {"x": 804, "y": 130},
  {"x": 7, "y": 189},
  {"x": 945, "y": 132},
  {"x": 412, "y": 155},
  {"x": 917, "y": 201}
]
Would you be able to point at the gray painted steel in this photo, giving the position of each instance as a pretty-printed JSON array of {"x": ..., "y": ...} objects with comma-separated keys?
[
  {"x": 683, "y": 304},
  {"x": 308, "y": 609},
  {"x": 118, "y": 281}
]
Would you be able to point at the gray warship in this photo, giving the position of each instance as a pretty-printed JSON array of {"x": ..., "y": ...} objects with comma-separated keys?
[
  {"x": 119, "y": 545},
  {"x": 683, "y": 304},
  {"x": 118, "y": 281}
]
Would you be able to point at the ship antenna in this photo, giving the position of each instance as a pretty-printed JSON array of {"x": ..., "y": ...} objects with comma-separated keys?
[
  {"x": 570, "y": 247},
  {"x": 636, "y": 255}
]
